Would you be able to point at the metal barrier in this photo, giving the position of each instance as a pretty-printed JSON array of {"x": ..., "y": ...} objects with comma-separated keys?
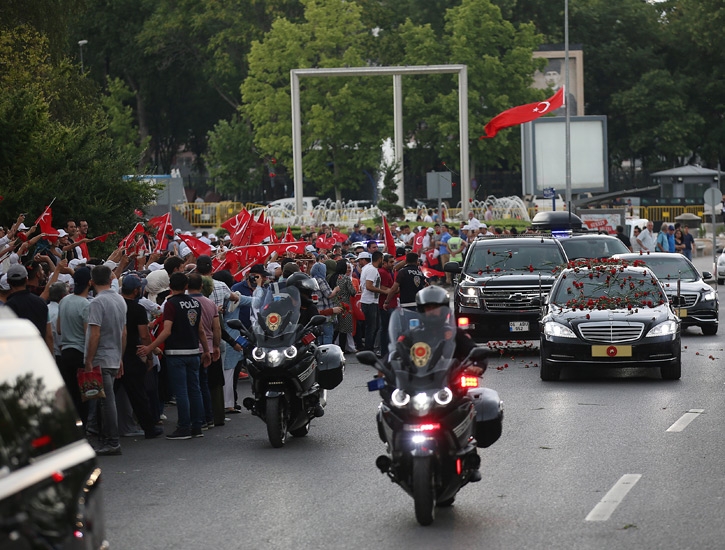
[{"x": 208, "y": 214}]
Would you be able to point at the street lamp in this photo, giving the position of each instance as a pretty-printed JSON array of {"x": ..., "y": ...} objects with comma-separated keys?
[{"x": 82, "y": 43}]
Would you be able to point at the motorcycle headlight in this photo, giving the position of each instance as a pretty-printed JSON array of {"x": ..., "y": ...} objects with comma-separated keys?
[
  {"x": 290, "y": 352},
  {"x": 422, "y": 402},
  {"x": 274, "y": 358},
  {"x": 400, "y": 398},
  {"x": 558, "y": 330},
  {"x": 663, "y": 329},
  {"x": 258, "y": 354},
  {"x": 443, "y": 397},
  {"x": 708, "y": 296}
]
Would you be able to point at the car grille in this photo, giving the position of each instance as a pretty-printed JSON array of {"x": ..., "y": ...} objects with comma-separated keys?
[
  {"x": 505, "y": 298},
  {"x": 690, "y": 299},
  {"x": 611, "y": 331}
]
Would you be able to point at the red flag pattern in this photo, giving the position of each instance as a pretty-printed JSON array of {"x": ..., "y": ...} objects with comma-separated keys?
[
  {"x": 288, "y": 236},
  {"x": 163, "y": 229},
  {"x": 523, "y": 113},
  {"x": 418, "y": 241},
  {"x": 325, "y": 242},
  {"x": 389, "y": 240},
  {"x": 198, "y": 247},
  {"x": 105, "y": 236},
  {"x": 129, "y": 240}
]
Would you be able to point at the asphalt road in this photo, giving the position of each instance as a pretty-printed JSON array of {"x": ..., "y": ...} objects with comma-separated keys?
[{"x": 601, "y": 459}]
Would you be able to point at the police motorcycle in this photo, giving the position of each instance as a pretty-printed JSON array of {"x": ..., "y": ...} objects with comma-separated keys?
[
  {"x": 433, "y": 414},
  {"x": 290, "y": 373}
]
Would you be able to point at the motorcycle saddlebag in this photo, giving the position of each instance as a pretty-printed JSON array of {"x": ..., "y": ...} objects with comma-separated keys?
[
  {"x": 489, "y": 415},
  {"x": 330, "y": 366}
]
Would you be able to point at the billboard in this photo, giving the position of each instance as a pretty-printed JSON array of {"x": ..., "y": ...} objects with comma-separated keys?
[{"x": 553, "y": 78}]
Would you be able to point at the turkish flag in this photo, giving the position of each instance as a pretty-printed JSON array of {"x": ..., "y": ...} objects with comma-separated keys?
[
  {"x": 163, "y": 229},
  {"x": 103, "y": 237},
  {"x": 418, "y": 240},
  {"x": 288, "y": 236},
  {"x": 389, "y": 240},
  {"x": 326, "y": 243},
  {"x": 428, "y": 272},
  {"x": 129, "y": 239},
  {"x": 340, "y": 237},
  {"x": 238, "y": 226},
  {"x": 198, "y": 248},
  {"x": 523, "y": 113},
  {"x": 45, "y": 221}
]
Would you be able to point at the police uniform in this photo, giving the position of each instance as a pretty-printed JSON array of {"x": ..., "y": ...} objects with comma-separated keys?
[{"x": 410, "y": 279}]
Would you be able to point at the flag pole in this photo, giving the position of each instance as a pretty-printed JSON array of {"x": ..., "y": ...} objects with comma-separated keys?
[{"x": 567, "y": 121}]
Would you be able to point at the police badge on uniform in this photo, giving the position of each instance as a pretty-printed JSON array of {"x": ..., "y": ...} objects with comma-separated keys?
[{"x": 420, "y": 354}]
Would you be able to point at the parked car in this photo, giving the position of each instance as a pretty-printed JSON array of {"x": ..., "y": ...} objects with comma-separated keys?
[
  {"x": 501, "y": 284},
  {"x": 700, "y": 306},
  {"x": 721, "y": 268},
  {"x": 50, "y": 483},
  {"x": 592, "y": 246},
  {"x": 609, "y": 314}
]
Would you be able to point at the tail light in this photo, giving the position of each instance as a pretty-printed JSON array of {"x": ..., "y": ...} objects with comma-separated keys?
[
  {"x": 315, "y": 299},
  {"x": 459, "y": 466},
  {"x": 469, "y": 381},
  {"x": 431, "y": 427},
  {"x": 308, "y": 338},
  {"x": 463, "y": 323}
]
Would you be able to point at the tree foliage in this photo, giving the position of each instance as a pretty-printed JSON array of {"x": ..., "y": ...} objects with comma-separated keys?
[{"x": 231, "y": 159}]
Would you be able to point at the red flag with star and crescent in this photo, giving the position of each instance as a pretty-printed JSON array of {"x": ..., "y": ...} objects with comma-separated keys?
[
  {"x": 45, "y": 222},
  {"x": 389, "y": 240},
  {"x": 523, "y": 113}
]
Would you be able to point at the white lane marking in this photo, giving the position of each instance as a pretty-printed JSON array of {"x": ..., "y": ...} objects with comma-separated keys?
[
  {"x": 685, "y": 419},
  {"x": 604, "y": 509}
]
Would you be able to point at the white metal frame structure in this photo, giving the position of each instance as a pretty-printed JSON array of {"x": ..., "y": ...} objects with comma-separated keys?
[{"x": 397, "y": 73}]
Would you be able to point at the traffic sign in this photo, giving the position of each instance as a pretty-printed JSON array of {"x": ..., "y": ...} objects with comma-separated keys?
[
  {"x": 549, "y": 192},
  {"x": 713, "y": 196}
]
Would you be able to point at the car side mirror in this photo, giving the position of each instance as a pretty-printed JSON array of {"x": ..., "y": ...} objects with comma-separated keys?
[
  {"x": 706, "y": 275},
  {"x": 452, "y": 267},
  {"x": 367, "y": 357}
]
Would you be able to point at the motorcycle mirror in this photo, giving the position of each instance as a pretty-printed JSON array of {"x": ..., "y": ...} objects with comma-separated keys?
[
  {"x": 318, "y": 320},
  {"x": 235, "y": 324},
  {"x": 476, "y": 354},
  {"x": 367, "y": 357}
]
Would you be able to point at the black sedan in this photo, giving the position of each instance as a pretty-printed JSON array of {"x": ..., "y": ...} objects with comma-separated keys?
[
  {"x": 699, "y": 302},
  {"x": 609, "y": 314},
  {"x": 592, "y": 246}
]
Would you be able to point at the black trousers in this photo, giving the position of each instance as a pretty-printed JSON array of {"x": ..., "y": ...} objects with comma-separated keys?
[
  {"x": 134, "y": 382},
  {"x": 70, "y": 361}
]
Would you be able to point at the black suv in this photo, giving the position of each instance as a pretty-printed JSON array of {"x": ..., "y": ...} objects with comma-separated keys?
[
  {"x": 502, "y": 283},
  {"x": 49, "y": 480}
]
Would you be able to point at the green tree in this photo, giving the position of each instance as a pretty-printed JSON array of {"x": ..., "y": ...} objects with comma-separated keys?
[
  {"x": 343, "y": 119},
  {"x": 389, "y": 194},
  {"x": 56, "y": 142},
  {"x": 231, "y": 157}
]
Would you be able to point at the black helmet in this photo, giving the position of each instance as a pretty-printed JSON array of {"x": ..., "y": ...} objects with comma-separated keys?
[
  {"x": 307, "y": 286},
  {"x": 432, "y": 295}
]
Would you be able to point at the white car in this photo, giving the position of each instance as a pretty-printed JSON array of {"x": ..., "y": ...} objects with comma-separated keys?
[{"x": 721, "y": 268}]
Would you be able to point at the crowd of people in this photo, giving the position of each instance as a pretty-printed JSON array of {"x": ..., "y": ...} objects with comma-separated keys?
[
  {"x": 671, "y": 238},
  {"x": 153, "y": 319}
]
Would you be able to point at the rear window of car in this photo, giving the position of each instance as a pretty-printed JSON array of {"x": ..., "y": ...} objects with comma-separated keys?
[
  {"x": 37, "y": 415},
  {"x": 529, "y": 256}
]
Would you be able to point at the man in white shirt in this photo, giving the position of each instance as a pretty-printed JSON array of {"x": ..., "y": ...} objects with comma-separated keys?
[
  {"x": 473, "y": 222},
  {"x": 646, "y": 239},
  {"x": 370, "y": 286}
]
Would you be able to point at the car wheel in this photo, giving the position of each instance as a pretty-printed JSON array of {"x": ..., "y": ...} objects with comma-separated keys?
[
  {"x": 549, "y": 373},
  {"x": 709, "y": 330}
]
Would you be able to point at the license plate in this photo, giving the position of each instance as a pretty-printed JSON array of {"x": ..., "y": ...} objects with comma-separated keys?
[
  {"x": 519, "y": 326},
  {"x": 682, "y": 312},
  {"x": 611, "y": 351}
]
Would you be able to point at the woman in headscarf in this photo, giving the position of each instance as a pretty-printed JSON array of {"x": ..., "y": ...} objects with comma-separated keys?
[{"x": 346, "y": 290}]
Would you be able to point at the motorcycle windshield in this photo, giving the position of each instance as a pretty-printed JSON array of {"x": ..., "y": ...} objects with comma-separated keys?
[
  {"x": 276, "y": 323},
  {"x": 422, "y": 347}
]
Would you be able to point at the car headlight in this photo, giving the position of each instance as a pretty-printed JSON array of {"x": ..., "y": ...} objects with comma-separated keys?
[
  {"x": 710, "y": 295},
  {"x": 558, "y": 330},
  {"x": 663, "y": 329},
  {"x": 469, "y": 296},
  {"x": 274, "y": 358}
]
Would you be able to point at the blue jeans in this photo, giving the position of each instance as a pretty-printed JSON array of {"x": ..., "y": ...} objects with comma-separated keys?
[
  {"x": 328, "y": 329},
  {"x": 384, "y": 336},
  {"x": 184, "y": 378},
  {"x": 107, "y": 414},
  {"x": 205, "y": 394},
  {"x": 371, "y": 324}
]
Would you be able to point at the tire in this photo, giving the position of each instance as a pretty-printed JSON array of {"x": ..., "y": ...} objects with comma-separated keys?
[
  {"x": 301, "y": 432},
  {"x": 423, "y": 490},
  {"x": 672, "y": 372},
  {"x": 276, "y": 421},
  {"x": 709, "y": 330},
  {"x": 549, "y": 373}
]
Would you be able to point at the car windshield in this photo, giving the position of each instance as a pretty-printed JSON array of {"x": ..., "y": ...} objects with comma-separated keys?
[
  {"x": 421, "y": 349},
  {"x": 595, "y": 247},
  {"x": 530, "y": 256},
  {"x": 607, "y": 287},
  {"x": 672, "y": 268},
  {"x": 275, "y": 325}
]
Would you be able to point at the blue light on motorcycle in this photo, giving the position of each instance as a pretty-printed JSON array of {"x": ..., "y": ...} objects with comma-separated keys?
[
  {"x": 399, "y": 398},
  {"x": 376, "y": 384},
  {"x": 413, "y": 323}
]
